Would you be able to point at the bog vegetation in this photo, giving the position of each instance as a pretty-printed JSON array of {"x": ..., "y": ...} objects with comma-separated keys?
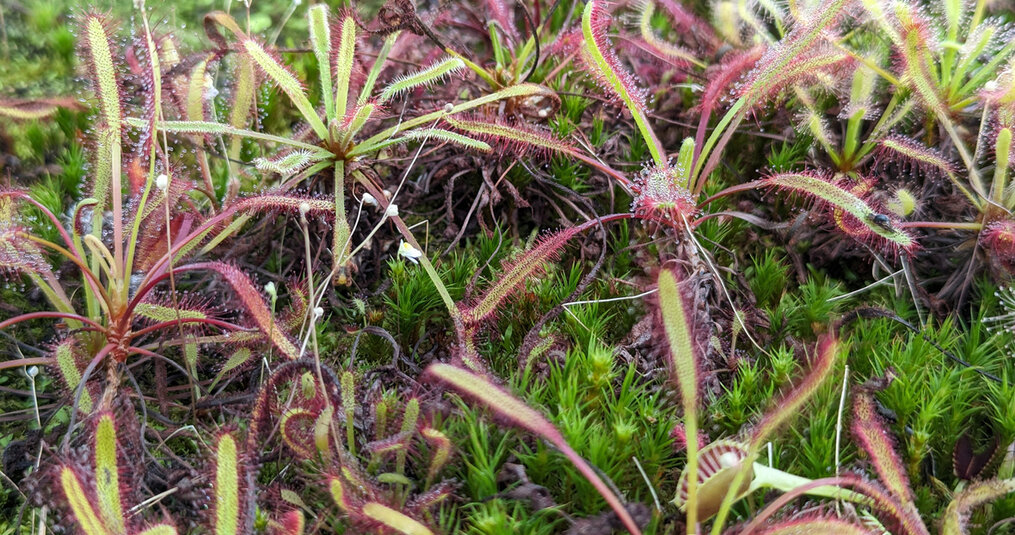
[{"x": 648, "y": 266}]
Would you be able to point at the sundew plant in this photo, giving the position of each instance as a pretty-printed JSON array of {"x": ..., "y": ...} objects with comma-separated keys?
[{"x": 485, "y": 267}]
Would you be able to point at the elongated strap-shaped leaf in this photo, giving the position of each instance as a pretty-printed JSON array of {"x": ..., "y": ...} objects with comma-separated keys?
[
  {"x": 394, "y": 520},
  {"x": 296, "y": 426},
  {"x": 679, "y": 328},
  {"x": 957, "y": 514},
  {"x": 606, "y": 67},
  {"x": 816, "y": 525},
  {"x": 80, "y": 504},
  {"x": 242, "y": 105},
  {"x": 107, "y": 474},
  {"x": 227, "y": 487},
  {"x": 289, "y": 163},
  {"x": 163, "y": 313},
  {"x": 344, "y": 61},
  {"x": 841, "y": 198},
  {"x": 424, "y": 77},
  {"x": 34, "y": 109},
  {"x": 253, "y": 303},
  {"x": 197, "y": 89},
  {"x": 204, "y": 127},
  {"x": 161, "y": 529},
  {"x": 874, "y": 439},
  {"x": 100, "y": 58},
  {"x": 514, "y": 275},
  {"x": 288, "y": 83},
  {"x": 436, "y": 134},
  {"x": 791, "y": 403},
  {"x": 520, "y": 90},
  {"x": 320, "y": 44},
  {"x": 517, "y": 138},
  {"x": 518, "y": 413},
  {"x": 65, "y": 355}
]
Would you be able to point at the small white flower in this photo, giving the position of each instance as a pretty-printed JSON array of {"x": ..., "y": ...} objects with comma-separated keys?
[
  {"x": 990, "y": 86},
  {"x": 391, "y": 210},
  {"x": 369, "y": 200},
  {"x": 162, "y": 182},
  {"x": 409, "y": 252},
  {"x": 304, "y": 208},
  {"x": 449, "y": 107},
  {"x": 318, "y": 312},
  {"x": 270, "y": 289},
  {"x": 32, "y": 371},
  {"x": 387, "y": 194},
  {"x": 297, "y": 2}
]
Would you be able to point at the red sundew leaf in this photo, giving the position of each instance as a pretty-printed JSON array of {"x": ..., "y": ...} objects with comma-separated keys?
[
  {"x": 820, "y": 524},
  {"x": 870, "y": 432},
  {"x": 515, "y": 275},
  {"x": 516, "y": 138},
  {"x": 518, "y": 413},
  {"x": 790, "y": 404},
  {"x": 253, "y": 303}
]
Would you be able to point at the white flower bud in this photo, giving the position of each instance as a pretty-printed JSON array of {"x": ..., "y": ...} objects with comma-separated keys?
[
  {"x": 369, "y": 200},
  {"x": 304, "y": 208},
  {"x": 391, "y": 211},
  {"x": 162, "y": 182}
]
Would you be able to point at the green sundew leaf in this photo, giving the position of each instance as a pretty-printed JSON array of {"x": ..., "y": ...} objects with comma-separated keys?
[
  {"x": 449, "y": 137},
  {"x": 344, "y": 61},
  {"x": 322, "y": 431},
  {"x": 204, "y": 127},
  {"x": 291, "y": 497},
  {"x": 320, "y": 43},
  {"x": 520, "y": 90},
  {"x": 957, "y": 514},
  {"x": 442, "y": 445},
  {"x": 606, "y": 67},
  {"x": 162, "y": 313},
  {"x": 679, "y": 329},
  {"x": 107, "y": 474},
  {"x": 286, "y": 81},
  {"x": 409, "y": 420},
  {"x": 243, "y": 102},
  {"x": 81, "y": 504},
  {"x": 196, "y": 89},
  {"x": 348, "y": 382},
  {"x": 238, "y": 357},
  {"x": 337, "y": 493},
  {"x": 523, "y": 137},
  {"x": 68, "y": 366},
  {"x": 394, "y": 520},
  {"x": 103, "y": 72},
  {"x": 842, "y": 199},
  {"x": 227, "y": 487},
  {"x": 424, "y": 77},
  {"x": 288, "y": 164},
  {"x": 393, "y": 478},
  {"x": 161, "y": 529}
]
